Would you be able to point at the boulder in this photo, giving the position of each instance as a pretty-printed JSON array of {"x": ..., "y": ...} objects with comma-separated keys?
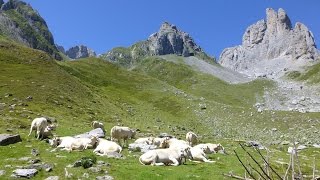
[
  {"x": 96, "y": 132},
  {"x": 6, "y": 139},
  {"x": 2, "y": 172},
  {"x": 24, "y": 173},
  {"x": 141, "y": 147},
  {"x": 105, "y": 177}
]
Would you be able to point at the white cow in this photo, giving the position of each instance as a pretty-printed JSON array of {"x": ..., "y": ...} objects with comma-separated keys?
[
  {"x": 120, "y": 132},
  {"x": 212, "y": 148},
  {"x": 161, "y": 142},
  {"x": 160, "y": 157},
  {"x": 191, "y": 138},
  {"x": 39, "y": 125},
  {"x": 198, "y": 154},
  {"x": 105, "y": 146},
  {"x": 83, "y": 143},
  {"x": 97, "y": 124},
  {"x": 173, "y": 142},
  {"x": 147, "y": 140}
]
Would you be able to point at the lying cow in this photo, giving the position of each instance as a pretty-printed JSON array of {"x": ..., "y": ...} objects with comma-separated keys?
[
  {"x": 105, "y": 146},
  {"x": 160, "y": 157},
  {"x": 70, "y": 143},
  {"x": 148, "y": 140},
  {"x": 198, "y": 154},
  {"x": 120, "y": 132},
  {"x": 212, "y": 148}
]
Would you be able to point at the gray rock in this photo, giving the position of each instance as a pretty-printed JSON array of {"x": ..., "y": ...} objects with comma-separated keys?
[
  {"x": 6, "y": 139},
  {"x": 81, "y": 51},
  {"x": 38, "y": 166},
  {"x": 96, "y": 132},
  {"x": 140, "y": 147},
  {"x": 95, "y": 169},
  {"x": 34, "y": 161},
  {"x": 24, "y": 158},
  {"x": 35, "y": 152},
  {"x": 2, "y": 172},
  {"x": 52, "y": 178},
  {"x": 86, "y": 175},
  {"x": 255, "y": 144},
  {"x": 61, "y": 49},
  {"x": 105, "y": 177},
  {"x": 271, "y": 39},
  {"x": 24, "y": 173}
]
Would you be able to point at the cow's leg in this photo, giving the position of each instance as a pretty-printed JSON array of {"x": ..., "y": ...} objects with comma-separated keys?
[
  {"x": 174, "y": 161},
  {"x": 31, "y": 128}
]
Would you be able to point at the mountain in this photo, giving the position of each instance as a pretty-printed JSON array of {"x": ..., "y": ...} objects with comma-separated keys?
[
  {"x": 271, "y": 47},
  {"x": 80, "y": 51},
  {"x": 168, "y": 40},
  {"x": 21, "y": 23}
]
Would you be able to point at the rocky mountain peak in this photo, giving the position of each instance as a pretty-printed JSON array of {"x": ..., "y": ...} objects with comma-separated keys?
[
  {"x": 269, "y": 39},
  {"x": 80, "y": 51},
  {"x": 170, "y": 40}
]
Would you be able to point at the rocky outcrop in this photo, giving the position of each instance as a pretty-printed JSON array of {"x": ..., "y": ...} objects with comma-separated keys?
[
  {"x": 81, "y": 51},
  {"x": 19, "y": 22},
  {"x": 270, "y": 39},
  {"x": 61, "y": 49},
  {"x": 95, "y": 132},
  {"x": 168, "y": 40}
]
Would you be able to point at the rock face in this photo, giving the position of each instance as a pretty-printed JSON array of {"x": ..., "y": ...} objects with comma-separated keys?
[
  {"x": 168, "y": 40},
  {"x": 271, "y": 39},
  {"x": 81, "y": 51},
  {"x": 19, "y": 22},
  {"x": 6, "y": 139}
]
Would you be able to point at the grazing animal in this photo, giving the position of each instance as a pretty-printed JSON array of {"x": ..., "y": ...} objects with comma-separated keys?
[
  {"x": 39, "y": 125},
  {"x": 97, "y": 124},
  {"x": 191, "y": 138},
  {"x": 160, "y": 157},
  {"x": 148, "y": 140},
  {"x": 105, "y": 146},
  {"x": 120, "y": 132},
  {"x": 212, "y": 148}
]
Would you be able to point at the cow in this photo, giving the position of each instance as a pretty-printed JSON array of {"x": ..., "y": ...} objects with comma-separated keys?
[
  {"x": 120, "y": 132},
  {"x": 191, "y": 138}
]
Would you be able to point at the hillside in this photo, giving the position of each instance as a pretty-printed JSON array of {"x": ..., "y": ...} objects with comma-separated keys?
[
  {"x": 21, "y": 23},
  {"x": 156, "y": 96}
]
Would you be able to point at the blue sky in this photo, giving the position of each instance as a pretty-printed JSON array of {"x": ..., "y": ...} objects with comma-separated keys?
[{"x": 214, "y": 24}]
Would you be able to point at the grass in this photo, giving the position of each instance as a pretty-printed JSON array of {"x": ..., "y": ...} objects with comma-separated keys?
[{"x": 157, "y": 96}]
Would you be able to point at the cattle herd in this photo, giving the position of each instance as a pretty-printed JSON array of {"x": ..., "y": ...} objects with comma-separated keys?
[{"x": 168, "y": 150}]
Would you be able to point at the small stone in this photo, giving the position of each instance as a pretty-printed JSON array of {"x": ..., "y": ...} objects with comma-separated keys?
[
  {"x": 95, "y": 169},
  {"x": 52, "y": 178},
  {"x": 24, "y": 159},
  {"x": 29, "y": 98},
  {"x": 34, "y": 161},
  {"x": 106, "y": 177},
  {"x": 86, "y": 175},
  {"x": 2, "y": 172},
  {"x": 35, "y": 152}
]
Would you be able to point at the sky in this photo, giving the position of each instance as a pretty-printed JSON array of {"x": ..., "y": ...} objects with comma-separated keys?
[{"x": 214, "y": 24}]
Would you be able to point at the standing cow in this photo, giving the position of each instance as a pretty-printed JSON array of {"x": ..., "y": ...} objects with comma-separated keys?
[{"x": 120, "y": 132}]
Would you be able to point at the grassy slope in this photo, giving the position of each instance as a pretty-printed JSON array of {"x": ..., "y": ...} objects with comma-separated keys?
[
  {"x": 77, "y": 92},
  {"x": 312, "y": 74}
]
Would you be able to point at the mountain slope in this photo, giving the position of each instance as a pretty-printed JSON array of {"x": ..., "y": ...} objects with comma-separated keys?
[{"x": 19, "y": 22}]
